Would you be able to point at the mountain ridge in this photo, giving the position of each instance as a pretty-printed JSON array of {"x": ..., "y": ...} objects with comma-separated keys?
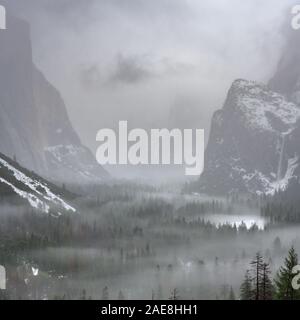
[
  {"x": 33, "y": 116},
  {"x": 31, "y": 189},
  {"x": 252, "y": 145}
]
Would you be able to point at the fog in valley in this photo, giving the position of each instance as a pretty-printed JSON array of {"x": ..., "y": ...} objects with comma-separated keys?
[
  {"x": 155, "y": 64},
  {"x": 71, "y": 229},
  {"x": 139, "y": 242}
]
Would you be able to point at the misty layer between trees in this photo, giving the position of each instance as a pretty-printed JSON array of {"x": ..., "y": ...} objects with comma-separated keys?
[{"x": 140, "y": 242}]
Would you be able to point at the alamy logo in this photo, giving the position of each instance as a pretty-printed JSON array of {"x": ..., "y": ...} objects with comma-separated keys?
[
  {"x": 296, "y": 279},
  {"x": 2, "y": 18},
  {"x": 161, "y": 147},
  {"x": 296, "y": 19},
  {"x": 2, "y": 278}
]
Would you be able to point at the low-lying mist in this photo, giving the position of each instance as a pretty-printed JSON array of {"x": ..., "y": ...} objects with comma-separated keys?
[{"x": 134, "y": 241}]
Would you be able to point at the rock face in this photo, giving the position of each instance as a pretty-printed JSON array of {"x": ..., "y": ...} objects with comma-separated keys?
[
  {"x": 34, "y": 124},
  {"x": 27, "y": 188},
  {"x": 286, "y": 79},
  {"x": 253, "y": 142}
]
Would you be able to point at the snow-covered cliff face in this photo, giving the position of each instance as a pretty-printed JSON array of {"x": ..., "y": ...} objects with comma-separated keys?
[
  {"x": 252, "y": 145},
  {"x": 31, "y": 189},
  {"x": 254, "y": 141},
  {"x": 65, "y": 158},
  {"x": 34, "y": 124}
]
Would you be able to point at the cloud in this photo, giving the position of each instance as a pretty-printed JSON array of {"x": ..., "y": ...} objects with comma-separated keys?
[
  {"x": 90, "y": 76},
  {"x": 123, "y": 70},
  {"x": 131, "y": 70},
  {"x": 112, "y": 59}
]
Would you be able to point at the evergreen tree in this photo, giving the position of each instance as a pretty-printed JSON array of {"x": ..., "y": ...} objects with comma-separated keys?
[
  {"x": 153, "y": 295},
  {"x": 267, "y": 288},
  {"x": 105, "y": 294},
  {"x": 246, "y": 287},
  {"x": 277, "y": 245},
  {"x": 121, "y": 296},
  {"x": 225, "y": 291},
  {"x": 231, "y": 294},
  {"x": 257, "y": 265},
  {"x": 257, "y": 284},
  {"x": 83, "y": 295},
  {"x": 3, "y": 295},
  {"x": 283, "y": 281},
  {"x": 174, "y": 295},
  {"x": 159, "y": 293}
]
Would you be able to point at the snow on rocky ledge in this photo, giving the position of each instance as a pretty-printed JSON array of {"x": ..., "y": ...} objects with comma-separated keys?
[
  {"x": 37, "y": 193},
  {"x": 264, "y": 109}
]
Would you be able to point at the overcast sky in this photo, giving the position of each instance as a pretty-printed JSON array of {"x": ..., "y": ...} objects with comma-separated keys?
[{"x": 136, "y": 60}]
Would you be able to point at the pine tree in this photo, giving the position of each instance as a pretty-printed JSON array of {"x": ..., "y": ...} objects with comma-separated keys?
[
  {"x": 83, "y": 295},
  {"x": 283, "y": 281},
  {"x": 257, "y": 265},
  {"x": 257, "y": 284},
  {"x": 174, "y": 295},
  {"x": 153, "y": 295},
  {"x": 246, "y": 287},
  {"x": 3, "y": 295},
  {"x": 121, "y": 296},
  {"x": 231, "y": 294},
  {"x": 225, "y": 291},
  {"x": 266, "y": 284},
  {"x": 159, "y": 293},
  {"x": 105, "y": 294},
  {"x": 277, "y": 245}
]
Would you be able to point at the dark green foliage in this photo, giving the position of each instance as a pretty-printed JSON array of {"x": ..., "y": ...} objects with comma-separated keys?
[
  {"x": 174, "y": 295},
  {"x": 283, "y": 280},
  {"x": 231, "y": 294},
  {"x": 257, "y": 284},
  {"x": 246, "y": 291},
  {"x": 105, "y": 293}
]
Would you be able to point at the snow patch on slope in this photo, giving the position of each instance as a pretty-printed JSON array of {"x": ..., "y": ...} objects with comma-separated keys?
[
  {"x": 74, "y": 159},
  {"x": 40, "y": 194},
  {"x": 282, "y": 184},
  {"x": 264, "y": 109},
  {"x": 34, "y": 201}
]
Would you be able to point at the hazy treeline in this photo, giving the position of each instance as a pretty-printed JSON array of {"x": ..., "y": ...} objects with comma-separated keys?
[{"x": 132, "y": 241}]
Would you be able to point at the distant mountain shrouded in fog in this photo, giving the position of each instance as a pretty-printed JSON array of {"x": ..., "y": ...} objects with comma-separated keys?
[
  {"x": 252, "y": 146},
  {"x": 254, "y": 140},
  {"x": 286, "y": 79},
  {"x": 34, "y": 124}
]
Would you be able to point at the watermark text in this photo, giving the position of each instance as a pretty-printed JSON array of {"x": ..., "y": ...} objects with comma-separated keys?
[
  {"x": 159, "y": 147},
  {"x": 2, "y": 18},
  {"x": 296, "y": 17},
  {"x": 2, "y": 278},
  {"x": 296, "y": 279}
]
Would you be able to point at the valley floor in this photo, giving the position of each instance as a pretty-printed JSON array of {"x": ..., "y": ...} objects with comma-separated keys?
[{"x": 138, "y": 242}]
